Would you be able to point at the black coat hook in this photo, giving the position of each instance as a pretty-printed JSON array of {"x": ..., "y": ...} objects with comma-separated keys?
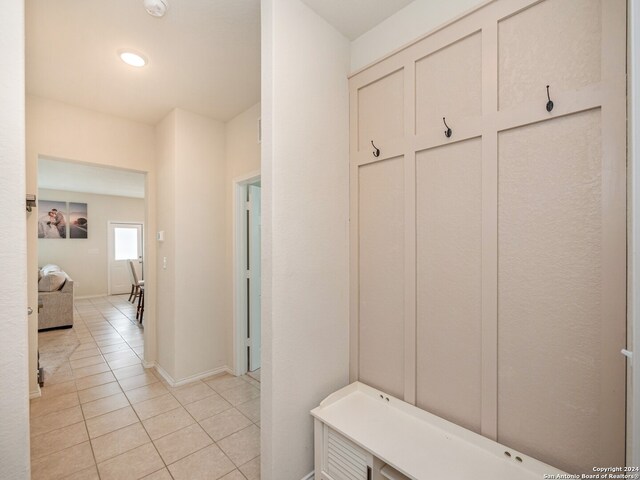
[
  {"x": 376, "y": 152},
  {"x": 549, "y": 103},
  {"x": 447, "y": 132}
]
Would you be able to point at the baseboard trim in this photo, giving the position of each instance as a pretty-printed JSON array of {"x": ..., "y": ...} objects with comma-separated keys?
[
  {"x": 309, "y": 476},
  {"x": 35, "y": 393},
  {"x": 85, "y": 297},
  {"x": 193, "y": 378}
]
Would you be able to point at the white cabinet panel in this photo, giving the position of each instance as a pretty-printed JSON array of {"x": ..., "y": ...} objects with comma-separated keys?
[{"x": 343, "y": 459}]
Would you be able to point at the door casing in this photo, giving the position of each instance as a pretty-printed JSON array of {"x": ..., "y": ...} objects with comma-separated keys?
[{"x": 239, "y": 189}]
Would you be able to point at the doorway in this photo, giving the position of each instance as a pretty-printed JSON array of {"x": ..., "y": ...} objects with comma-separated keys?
[
  {"x": 125, "y": 243},
  {"x": 247, "y": 271}
]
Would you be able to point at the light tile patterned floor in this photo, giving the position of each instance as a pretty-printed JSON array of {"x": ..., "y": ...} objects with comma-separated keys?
[{"x": 103, "y": 416}]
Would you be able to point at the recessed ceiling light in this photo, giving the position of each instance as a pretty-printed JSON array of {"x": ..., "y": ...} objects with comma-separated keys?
[{"x": 133, "y": 59}]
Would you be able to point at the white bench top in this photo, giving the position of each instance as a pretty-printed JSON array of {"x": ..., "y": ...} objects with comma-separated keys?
[{"x": 419, "y": 444}]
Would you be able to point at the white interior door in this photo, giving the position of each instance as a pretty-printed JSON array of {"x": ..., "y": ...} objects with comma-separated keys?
[
  {"x": 125, "y": 243},
  {"x": 253, "y": 283}
]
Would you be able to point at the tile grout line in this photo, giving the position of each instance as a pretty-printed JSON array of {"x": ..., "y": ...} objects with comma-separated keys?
[
  {"x": 82, "y": 321},
  {"x": 122, "y": 391},
  {"x": 85, "y": 420},
  {"x": 95, "y": 323},
  {"x": 150, "y": 439},
  {"x": 197, "y": 422},
  {"x": 79, "y": 406},
  {"x": 93, "y": 453}
]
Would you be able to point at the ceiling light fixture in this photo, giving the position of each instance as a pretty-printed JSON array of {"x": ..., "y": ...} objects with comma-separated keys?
[
  {"x": 133, "y": 59},
  {"x": 156, "y": 8}
]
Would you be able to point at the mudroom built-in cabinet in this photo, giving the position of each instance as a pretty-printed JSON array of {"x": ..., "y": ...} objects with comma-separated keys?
[{"x": 488, "y": 227}]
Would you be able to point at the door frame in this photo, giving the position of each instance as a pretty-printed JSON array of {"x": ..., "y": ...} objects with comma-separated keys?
[
  {"x": 110, "y": 245},
  {"x": 633, "y": 228},
  {"x": 239, "y": 247}
]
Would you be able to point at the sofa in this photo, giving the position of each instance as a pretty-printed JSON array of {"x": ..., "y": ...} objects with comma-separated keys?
[{"x": 55, "y": 294}]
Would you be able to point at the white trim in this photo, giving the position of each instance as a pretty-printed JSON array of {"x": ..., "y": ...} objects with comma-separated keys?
[
  {"x": 239, "y": 187},
  {"x": 193, "y": 378},
  {"x": 309, "y": 476},
  {"x": 35, "y": 393},
  {"x": 99, "y": 295},
  {"x": 147, "y": 364},
  {"x": 634, "y": 227}
]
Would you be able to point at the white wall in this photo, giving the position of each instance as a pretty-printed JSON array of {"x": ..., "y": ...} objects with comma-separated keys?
[
  {"x": 14, "y": 403},
  {"x": 243, "y": 158},
  {"x": 305, "y": 185},
  {"x": 58, "y": 130},
  {"x": 202, "y": 294},
  {"x": 166, "y": 147},
  {"x": 242, "y": 147},
  {"x": 195, "y": 308},
  {"x": 406, "y": 25},
  {"x": 86, "y": 260}
]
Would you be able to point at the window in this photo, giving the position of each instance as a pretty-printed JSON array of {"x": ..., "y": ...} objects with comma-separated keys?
[{"x": 126, "y": 243}]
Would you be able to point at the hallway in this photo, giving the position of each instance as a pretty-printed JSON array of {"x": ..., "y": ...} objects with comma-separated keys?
[{"x": 103, "y": 416}]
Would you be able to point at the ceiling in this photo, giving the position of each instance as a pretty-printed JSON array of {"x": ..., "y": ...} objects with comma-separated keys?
[
  {"x": 78, "y": 177},
  {"x": 204, "y": 56},
  {"x": 354, "y": 17}
]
